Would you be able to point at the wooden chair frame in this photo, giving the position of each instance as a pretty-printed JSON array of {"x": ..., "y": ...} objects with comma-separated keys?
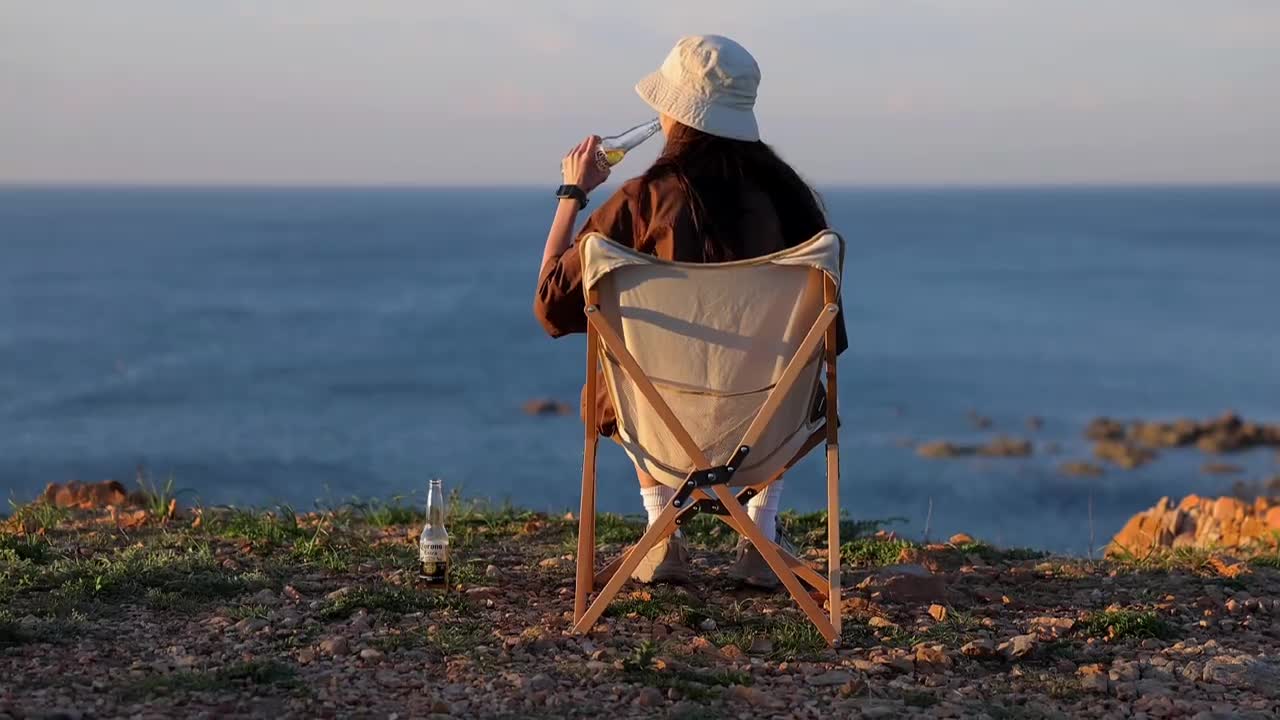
[{"x": 706, "y": 488}]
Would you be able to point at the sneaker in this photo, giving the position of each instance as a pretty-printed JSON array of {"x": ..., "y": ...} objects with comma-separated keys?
[
  {"x": 667, "y": 562},
  {"x": 749, "y": 566}
]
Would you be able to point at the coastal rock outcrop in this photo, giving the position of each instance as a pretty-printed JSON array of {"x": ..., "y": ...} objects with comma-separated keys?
[
  {"x": 1198, "y": 522},
  {"x": 85, "y": 496},
  {"x": 1224, "y": 434},
  {"x": 997, "y": 447},
  {"x": 544, "y": 406}
]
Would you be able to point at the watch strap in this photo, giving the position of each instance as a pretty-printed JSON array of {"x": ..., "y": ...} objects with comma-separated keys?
[{"x": 573, "y": 191}]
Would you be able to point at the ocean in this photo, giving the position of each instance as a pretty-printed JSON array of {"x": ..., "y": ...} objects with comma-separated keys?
[{"x": 308, "y": 346}]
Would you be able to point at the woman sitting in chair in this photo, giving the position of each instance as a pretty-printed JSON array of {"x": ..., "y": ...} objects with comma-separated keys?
[{"x": 716, "y": 194}]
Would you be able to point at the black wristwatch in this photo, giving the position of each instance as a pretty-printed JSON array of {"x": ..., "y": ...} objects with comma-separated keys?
[{"x": 573, "y": 191}]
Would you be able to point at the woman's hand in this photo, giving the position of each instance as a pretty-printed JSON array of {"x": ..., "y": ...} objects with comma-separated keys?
[{"x": 581, "y": 168}]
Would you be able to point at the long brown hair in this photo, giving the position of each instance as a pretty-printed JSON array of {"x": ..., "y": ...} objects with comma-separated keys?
[{"x": 716, "y": 173}]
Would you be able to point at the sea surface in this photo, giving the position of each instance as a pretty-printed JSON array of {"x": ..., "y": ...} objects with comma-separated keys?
[{"x": 308, "y": 346}]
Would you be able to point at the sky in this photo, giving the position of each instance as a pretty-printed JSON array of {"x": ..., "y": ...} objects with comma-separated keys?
[{"x": 429, "y": 92}]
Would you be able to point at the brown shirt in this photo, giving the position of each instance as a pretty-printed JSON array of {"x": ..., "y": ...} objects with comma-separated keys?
[{"x": 654, "y": 220}]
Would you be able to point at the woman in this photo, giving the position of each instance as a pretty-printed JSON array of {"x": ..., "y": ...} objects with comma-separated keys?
[{"x": 716, "y": 194}]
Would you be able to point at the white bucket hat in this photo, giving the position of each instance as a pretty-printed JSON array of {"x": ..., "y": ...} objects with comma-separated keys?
[{"x": 709, "y": 83}]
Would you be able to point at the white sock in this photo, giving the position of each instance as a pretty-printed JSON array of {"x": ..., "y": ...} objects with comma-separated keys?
[
  {"x": 763, "y": 510},
  {"x": 655, "y": 500}
]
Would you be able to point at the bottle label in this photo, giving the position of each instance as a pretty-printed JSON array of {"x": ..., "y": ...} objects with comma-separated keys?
[{"x": 434, "y": 551}]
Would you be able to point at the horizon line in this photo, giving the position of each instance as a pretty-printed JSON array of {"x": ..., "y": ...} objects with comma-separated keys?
[{"x": 822, "y": 187}]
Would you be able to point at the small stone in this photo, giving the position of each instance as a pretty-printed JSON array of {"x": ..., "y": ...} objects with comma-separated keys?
[
  {"x": 938, "y": 612},
  {"x": 541, "y": 683},
  {"x": 492, "y": 571},
  {"x": 707, "y": 624},
  {"x": 881, "y": 622},
  {"x": 441, "y": 707},
  {"x": 291, "y": 594},
  {"x": 248, "y": 626},
  {"x": 980, "y": 648},
  {"x": 371, "y": 654},
  {"x": 335, "y": 646},
  {"x": 549, "y": 562},
  {"x": 1093, "y": 678},
  {"x": 306, "y": 656},
  {"x": 932, "y": 658},
  {"x": 961, "y": 539},
  {"x": 339, "y": 593},
  {"x": 266, "y": 597},
  {"x": 831, "y": 677},
  {"x": 1018, "y": 646},
  {"x": 650, "y": 697},
  {"x": 760, "y": 645}
]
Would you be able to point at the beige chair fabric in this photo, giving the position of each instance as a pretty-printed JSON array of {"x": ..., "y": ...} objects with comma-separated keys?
[{"x": 714, "y": 340}]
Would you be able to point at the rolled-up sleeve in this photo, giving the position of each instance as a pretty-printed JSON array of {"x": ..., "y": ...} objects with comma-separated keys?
[{"x": 559, "y": 301}]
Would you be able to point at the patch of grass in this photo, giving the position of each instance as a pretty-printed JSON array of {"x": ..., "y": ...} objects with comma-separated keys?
[
  {"x": 271, "y": 528},
  {"x": 34, "y": 549},
  {"x": 246, "y": 611},
  {"x": 444, "y": 640},
  {"x": 792, "y": 638},
  {"x": 810, "y": 529},
  {"x": 874, "y": 551},
  {"x": 1125, "y": 624},
  {"x": 1269, "y": 560},
  {"x": 992, "y": 555},
  {"x": 395, "y": 601},
  {"x": 660, "y": 602},
  {"x": 387, "y": 514},
  {"x": 133, "y": 574},
  {"x": 171, "y": 601},
  {"x": 957, "y": 629},
  {"x": 468, "y": 572},
  {"x": 694, "y": 684},
  {"x": 457, "y": 638},
  {"x": 36, "y": 517},
  {"x": 156, "y": 498},
  {"x": 257, "y": 675},
  {"x": 614, "y": 529}
]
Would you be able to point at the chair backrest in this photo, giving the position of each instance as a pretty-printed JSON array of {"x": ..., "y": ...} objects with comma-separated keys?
[{"x": 714, "y": 340}]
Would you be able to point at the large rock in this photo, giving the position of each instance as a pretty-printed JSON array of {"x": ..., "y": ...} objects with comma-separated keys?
[
  {"x": 1126, "y": 455},
  {"x": 1077, "y": 468},
  {"x": 905, "y": 584},
  {"x": 1217, "y": 523},
  {"x": 85, "y": 496},
  {"x": 1005, "y": 447},
  {"x": 935, "y": 450},
  {"x": 547, "y": 407}
]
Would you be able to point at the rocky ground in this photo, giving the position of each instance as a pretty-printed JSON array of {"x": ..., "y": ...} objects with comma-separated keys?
[{"x": 155, "y": 613}]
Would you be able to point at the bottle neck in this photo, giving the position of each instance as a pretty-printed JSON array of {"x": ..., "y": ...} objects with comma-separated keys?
[{"x": 435, "y": 505}]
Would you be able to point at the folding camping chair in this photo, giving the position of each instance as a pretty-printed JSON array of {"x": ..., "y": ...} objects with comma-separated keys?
[{"x": 713, "y": 370}]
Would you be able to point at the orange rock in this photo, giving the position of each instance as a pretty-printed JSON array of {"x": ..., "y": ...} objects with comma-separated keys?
[
  {"x": 1190, "y": 501},
  {"x": 85, "y": 497},
  {"x": 1226, "y": 508},
  {"x": 1273, "y": 518},
  {"x": 961, "y": 539}
]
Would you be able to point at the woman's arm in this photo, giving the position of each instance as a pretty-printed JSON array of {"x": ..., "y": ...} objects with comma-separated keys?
[{"x": 579, "y": 168}]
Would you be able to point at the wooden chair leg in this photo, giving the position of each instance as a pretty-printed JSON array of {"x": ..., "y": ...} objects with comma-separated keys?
[
  {"x": 833, "y": 537},
  {"x": 605, "y": 573},
  {"x": 776, "y": 563},
  {"x": 586, "y": 557},
  {"x": 660, "y": 529},
  {"x": 801, "y": 568}
]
